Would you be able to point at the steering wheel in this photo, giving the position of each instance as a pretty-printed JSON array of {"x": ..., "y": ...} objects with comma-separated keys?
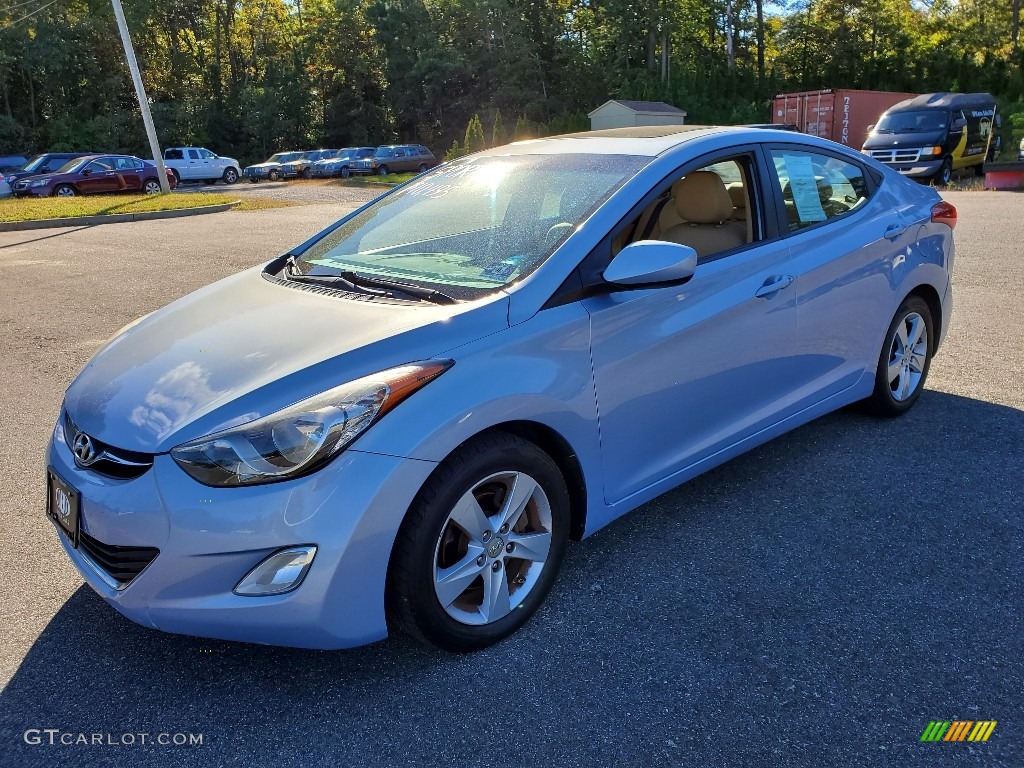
[{"x": 556, "y": 233}]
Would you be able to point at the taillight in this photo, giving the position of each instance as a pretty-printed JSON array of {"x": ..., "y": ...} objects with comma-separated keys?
[{"x": 944, "y": 213}]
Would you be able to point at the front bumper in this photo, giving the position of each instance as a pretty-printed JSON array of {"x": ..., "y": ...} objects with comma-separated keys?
[
  {"x": 209, "y": 538},
  {"x": 33, "y": 191},
  {"x": 918, "y": 169},
  {"x": 256, "y": 173}
]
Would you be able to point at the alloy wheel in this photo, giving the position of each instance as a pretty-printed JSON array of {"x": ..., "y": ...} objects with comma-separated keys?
[
  {"x": 151, "y": 188},
  {"x": 492, "y": 548},
  {"x": 908, "y": 355}
]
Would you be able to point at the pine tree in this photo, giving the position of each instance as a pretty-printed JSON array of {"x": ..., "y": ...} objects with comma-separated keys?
[
  {"x": 454, "y": 151},
  {"x": 498, "y": 130},
  {"x": 474, "y": 136},
  {"x": 522, "y": 130}
]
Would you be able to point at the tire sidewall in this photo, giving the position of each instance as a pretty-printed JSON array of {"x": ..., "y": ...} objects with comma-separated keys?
[
  {"x": 884, "y": 400},
  {"x": 430, "y": 617}
]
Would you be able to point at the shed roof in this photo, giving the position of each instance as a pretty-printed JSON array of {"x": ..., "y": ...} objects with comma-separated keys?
[{"x": 643, "y": 107}]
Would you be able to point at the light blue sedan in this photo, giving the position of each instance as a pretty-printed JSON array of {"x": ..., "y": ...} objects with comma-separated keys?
[{"x": 401, "y": 423}]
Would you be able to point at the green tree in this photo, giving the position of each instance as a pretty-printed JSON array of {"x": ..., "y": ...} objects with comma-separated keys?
[{"x": 474, "y": 140}]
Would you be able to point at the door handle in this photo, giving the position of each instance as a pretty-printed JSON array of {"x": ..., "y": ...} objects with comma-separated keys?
[
  {"x": 773, "y": 285},
  {"x": 893, "y": 231}
]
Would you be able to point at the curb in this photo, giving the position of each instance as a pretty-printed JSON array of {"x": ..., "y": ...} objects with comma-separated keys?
[{"x": 114, "y": 218}]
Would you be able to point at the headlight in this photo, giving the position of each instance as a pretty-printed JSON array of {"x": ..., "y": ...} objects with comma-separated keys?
[
  {"x": 304, "y": 436},
  {"x": 934, "y": 151},
  {"x": 40, "y": 183}
]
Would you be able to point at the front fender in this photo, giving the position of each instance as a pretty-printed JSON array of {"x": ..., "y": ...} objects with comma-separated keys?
[{"x": 537, "y": 371}]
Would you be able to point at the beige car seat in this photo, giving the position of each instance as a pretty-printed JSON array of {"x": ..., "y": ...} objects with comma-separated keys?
[{"x": 702, "y": 202}]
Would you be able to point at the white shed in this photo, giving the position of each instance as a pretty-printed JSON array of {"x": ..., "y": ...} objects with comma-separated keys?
[{"x": 619, "y": 113}]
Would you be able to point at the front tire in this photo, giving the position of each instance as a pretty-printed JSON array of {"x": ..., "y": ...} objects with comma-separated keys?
[
  {"x": 904, "y": 361},
  {"x": 945, "y": 173},
  {"x": 481, "y": 544},
  {"x": 230, "y": 176},
  {"x": 345, "y": 172},
  {"x": 64, "y": 190},
  {"x": 274, "y": 175},
  {"x": 382, "y": 170}
]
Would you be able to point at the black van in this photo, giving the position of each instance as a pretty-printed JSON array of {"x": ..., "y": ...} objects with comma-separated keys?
[{"x": 932, "y": 135}]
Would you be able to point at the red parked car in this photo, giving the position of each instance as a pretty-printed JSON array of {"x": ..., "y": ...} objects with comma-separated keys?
[{"x": 94, "y": 175}]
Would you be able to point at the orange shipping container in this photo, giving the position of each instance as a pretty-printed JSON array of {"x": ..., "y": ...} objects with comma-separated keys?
[{"x": 840, "y": 115}]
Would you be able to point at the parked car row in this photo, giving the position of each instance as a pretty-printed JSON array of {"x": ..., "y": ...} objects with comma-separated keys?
[
  {"x": 66, "y": 174},
  {"x": 380, "y": 161}
]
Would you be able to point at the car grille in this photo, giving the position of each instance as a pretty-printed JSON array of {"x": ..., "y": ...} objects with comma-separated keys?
[
  {"x": 109, "y": 461},
  {"x": 896, "y": 155},
  {"x": 122, "y": 564}
]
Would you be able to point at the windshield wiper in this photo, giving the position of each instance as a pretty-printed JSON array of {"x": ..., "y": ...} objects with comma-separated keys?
[
  {"x": 350, "y": 281},
  {"x": 424, "y": 294}
]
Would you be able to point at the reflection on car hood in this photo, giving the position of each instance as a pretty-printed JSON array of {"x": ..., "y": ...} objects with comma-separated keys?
[
  {"x": 245, "y": 347},
  {"x": 266, "y": 164}
]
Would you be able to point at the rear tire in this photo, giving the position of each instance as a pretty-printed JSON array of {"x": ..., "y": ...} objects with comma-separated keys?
[
  {"x": 488, "y": 591},
  {"x": 904, "y": 360},
  {"x": 151, "y": 187},
  {"x": 422, "y": 168},
  {"x": 176, "y": 175}
]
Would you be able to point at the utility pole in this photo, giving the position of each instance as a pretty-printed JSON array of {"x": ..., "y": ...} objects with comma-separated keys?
[{"x": 140, "y": 91}]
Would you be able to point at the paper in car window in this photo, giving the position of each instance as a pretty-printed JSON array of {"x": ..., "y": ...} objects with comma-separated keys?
[{"x": 804, "y": 188}]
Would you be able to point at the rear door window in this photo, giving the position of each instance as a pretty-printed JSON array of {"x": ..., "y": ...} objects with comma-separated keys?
[{"x": 817, "y": 187}]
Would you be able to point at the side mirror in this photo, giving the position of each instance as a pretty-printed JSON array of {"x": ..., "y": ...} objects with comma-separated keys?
[
  {"x": 85, "y": 172},
  {"x": 958, "y": 124},
  {"x": 651, "y": 262}
]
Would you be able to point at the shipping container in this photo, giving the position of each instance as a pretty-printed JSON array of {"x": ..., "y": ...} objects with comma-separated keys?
[{"x": 842, "y": 115}]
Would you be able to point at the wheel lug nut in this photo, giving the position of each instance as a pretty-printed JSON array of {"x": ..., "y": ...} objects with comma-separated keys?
[
  {"x": 510, "y": 548},
  {"x": 503, "y": 529},
  {"x": 486, "y": 536},
  {"x": 496, "y": 565},
  {"x": 480, "y": 560}
]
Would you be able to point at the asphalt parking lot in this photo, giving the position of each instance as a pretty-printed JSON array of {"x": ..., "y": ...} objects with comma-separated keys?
[{"x": 817, "y": 601}]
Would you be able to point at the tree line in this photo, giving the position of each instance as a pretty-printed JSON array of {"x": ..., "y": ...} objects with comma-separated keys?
[{"x": 249, "y": 77}]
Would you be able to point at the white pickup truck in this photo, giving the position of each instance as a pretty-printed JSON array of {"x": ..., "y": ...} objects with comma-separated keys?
[{"x": 199, "y": 164}]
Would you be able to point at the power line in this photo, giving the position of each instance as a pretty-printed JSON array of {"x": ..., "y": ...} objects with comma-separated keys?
[
  {"x": 31, "y": 14},
  {"x": 18, "y": 5}
]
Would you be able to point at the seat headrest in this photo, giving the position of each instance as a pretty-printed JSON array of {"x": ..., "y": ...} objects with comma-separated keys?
[
  {"x": 701, "y": 198},
  {"x": 737, "y": 194}
]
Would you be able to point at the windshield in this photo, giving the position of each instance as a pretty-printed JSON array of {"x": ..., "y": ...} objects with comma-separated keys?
[
  {"x": 34, "y": 163},
  {"x": 71, "y": 165},
  {"x": 283, "y": 157},
  {"x": 925, "y": 121},
  {"x": 473, "y": 225}
]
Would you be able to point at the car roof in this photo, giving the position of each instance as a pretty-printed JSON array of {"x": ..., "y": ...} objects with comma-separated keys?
[
  {"x": 943, "y": 100},
  {"x": 650, "y": 140}
]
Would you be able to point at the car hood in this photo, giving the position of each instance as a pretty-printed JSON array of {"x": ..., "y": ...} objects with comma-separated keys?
[
  {"x": 245, "y": 347},
  {"x": 897, "y": 140},
  {"x": 266, "y": 164}
]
